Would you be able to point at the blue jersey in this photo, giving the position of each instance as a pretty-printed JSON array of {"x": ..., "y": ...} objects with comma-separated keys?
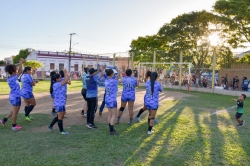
[
  {"x": 128, "y": 92},
  {"x": 59, "y": 94},
  {"x": 111, "y": 86},
  {"x": 152, "y": 100},
  {"x": 14, "y": 86},
  {"x": 91, "y": 84},
  {"x": 84, "y": 75},
  {"x": 26, "y": 80}
]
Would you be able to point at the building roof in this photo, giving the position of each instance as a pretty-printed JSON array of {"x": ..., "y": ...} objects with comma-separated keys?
[{"x": 242, "y": 54}]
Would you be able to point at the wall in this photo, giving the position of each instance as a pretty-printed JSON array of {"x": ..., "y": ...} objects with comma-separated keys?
[{"x": 234, "y": 72}]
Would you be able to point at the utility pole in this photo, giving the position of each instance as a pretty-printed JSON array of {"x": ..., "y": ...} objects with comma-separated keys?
[
  {"x": 70, "y": 50},
  {"x": 132, "y": 60},
  {"x": 180, "y": 69}
]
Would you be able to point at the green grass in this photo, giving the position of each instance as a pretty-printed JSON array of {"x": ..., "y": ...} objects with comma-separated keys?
[
  {"x": 42, "y": 86},
  {"x": 188, "y": 134}
]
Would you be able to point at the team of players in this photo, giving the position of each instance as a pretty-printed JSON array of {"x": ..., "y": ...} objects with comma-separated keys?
[{"x": 58, "y": 90}]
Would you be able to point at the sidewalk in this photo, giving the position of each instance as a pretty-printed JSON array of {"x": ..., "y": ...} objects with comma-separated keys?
[{"x": 207, "y": 90}]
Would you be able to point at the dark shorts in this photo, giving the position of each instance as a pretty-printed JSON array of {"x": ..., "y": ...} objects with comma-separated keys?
[
  {"x": 15, "y": 101},
  {"x": 60, "y": 108},
  {"x": 238, "y": 115},
  {"x": 27, "y": 95},
  {"x": 111, "y": 104},
  {"x": 149, "y": 107},
  {"x": 84, "y": 92}
]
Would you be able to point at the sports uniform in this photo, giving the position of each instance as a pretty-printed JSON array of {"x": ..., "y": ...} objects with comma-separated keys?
[
  {"x": 128, "y": 92},
  {"x": 152, "y": 100},
  {"x": 111, "y": 86},
  {"x": 59, "y": 92},
  {"x": 14, "y": 97},
  {"x": 27, "y": 88}
]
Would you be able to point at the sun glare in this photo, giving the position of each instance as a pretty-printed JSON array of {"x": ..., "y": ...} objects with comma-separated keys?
[{"x": 214, "y": 39}]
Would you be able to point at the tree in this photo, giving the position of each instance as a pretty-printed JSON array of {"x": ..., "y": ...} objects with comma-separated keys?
[
  {"x": 2, "y": 62},
  {"x": 245, "y": 58},
  {"x": 22, "y": 54},
  {"x": 33, "y": 64},
  {"x": 235, "y": 15}
]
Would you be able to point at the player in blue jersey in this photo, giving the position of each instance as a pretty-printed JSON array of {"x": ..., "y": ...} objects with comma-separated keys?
[
  {"x": 59, "y": 91},
  {"x": 143, "y": 109},
  {"x": 91, "y": 96},
  {"x": 26, "y": 92},
  {"x": 14, "y": 97},
  {"x": 111, "y": 87},
  {"x": 128, "y": 95},
  {"x": 151, "y": 99},
  {"x": 61, "y": 72},
  {"x": 53, "y": 112},
  {"x": 84, "y": 92}
]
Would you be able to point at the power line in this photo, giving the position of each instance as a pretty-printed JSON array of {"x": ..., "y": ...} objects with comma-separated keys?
[{"x": 12, "y": 8}]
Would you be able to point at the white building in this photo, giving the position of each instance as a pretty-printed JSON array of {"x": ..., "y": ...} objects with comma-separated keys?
[{"x": 59, "y": 60}]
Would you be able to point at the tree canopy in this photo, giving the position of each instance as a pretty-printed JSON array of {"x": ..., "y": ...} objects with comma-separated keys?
[
  {"x": 22, "y": 54},
  {"x": 33, "y": 64},
  {"x": 189, "y": 33},
  {"x": 245, "y": 58},
  {"x": 235, "y": 16}
]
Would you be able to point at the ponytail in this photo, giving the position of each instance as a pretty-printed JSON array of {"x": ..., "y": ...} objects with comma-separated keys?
[
  {"x": 153, "y": 77},
  {"x": 52, "y": 81}
]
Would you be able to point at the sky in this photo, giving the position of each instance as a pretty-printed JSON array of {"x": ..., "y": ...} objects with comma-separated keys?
[{"x": 102, "y": 26}]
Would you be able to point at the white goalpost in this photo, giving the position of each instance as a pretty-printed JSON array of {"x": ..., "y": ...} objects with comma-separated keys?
[{"x": 169, "y": 63}]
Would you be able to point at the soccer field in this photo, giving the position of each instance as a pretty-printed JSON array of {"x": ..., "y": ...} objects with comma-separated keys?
[{"x": 194, "y": 129}]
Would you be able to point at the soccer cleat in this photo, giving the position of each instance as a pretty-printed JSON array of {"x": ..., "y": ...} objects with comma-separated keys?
[
  {"x": 156, "y": 121},
  {"x": 53, "y": 113},
  {"x": 31, "y": 118},
  {"x": 130, "y": 123},
  {"x": 64, "y": 132},
  {"x": 93, "y": 126},
  {"x": 51, "y": 128},
  {"x": 89, "y": 126},
  {"x": 151, "y": 132},
  {"x": 113, "y": 133},
  {"x": 27, "y": 118},
  {"x": 137, "y": 119},
  {"x": 239, "y": 125},
  {"x": 16, "y": 128},
  {"x": 242, "y": 123},
  {"x": 3, "y": 122}
]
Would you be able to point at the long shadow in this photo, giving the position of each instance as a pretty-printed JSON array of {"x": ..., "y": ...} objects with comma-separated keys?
[{"x": 164, "y": 129}]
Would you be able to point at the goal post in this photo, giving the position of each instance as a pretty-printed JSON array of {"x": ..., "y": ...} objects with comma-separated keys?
[{"x": 168, "y": 63}]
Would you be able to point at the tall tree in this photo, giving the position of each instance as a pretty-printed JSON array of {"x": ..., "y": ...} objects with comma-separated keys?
[
  {"x": 22, "y": 54},
  {"x": 245, "y": 58},
  {"x": 33, "y": 64},
  {"x": 235, "y": 15}
]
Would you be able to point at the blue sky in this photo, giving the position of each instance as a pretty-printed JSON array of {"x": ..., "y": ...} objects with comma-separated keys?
[{"x": 102, "y": 26}]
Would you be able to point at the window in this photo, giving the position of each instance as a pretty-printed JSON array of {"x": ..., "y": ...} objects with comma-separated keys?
[
  {"x": 52, "y": 66},
  {"x": 61, "y": 66},
  {"x": 76, "y": 67}
]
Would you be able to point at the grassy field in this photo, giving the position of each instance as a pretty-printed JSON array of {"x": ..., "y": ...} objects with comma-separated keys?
[
  {"x": 42, "y": 86},
  {"x": 189, "y": 133}
]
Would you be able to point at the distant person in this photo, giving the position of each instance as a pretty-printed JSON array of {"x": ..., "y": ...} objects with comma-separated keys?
[
  {"x": 52, "y": 73},
  {"x": 244, "y": 84},
  {"x": 240, "y": 110},
  {"x": 0, "y": 73},
  {"x": 84, "y": 92},
  {"x": 226, "y": 81}
]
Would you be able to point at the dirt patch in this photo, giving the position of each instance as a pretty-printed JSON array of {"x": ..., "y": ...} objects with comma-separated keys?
[{"x": 74, "y": 106}]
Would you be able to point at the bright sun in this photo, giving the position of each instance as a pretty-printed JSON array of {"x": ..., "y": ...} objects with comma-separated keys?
[{"x": 214, "y": 39}]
